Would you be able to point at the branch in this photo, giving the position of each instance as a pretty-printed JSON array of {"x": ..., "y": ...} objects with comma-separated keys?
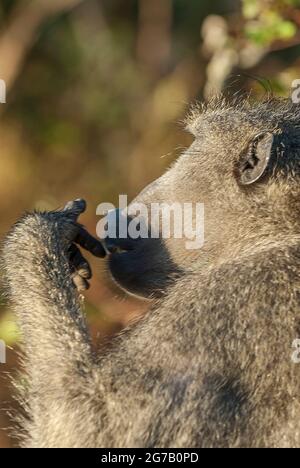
[{"x": 21, "y": 32}]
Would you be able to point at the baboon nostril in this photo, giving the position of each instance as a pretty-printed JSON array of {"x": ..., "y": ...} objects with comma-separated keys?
[
  {"x": 119, "y": 245},
  {"x": 116, "y": 249},
  {"x": 112, "y": 248}
]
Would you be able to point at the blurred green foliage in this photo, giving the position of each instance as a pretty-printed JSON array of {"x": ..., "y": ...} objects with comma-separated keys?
[{"x": 270, "y": 21}]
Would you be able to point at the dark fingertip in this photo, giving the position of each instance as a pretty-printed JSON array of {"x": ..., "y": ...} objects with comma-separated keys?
[
  {"x": 81, "y": 203},
  {"x": 78, "y": 206},
  {"x": 98, "y": 251}
]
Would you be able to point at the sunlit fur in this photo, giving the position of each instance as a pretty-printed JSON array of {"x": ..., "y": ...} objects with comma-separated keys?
[{"x": 210, "y": 364}]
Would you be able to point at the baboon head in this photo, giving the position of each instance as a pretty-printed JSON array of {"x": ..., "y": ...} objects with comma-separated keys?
[{"x": 244, "y": 167}]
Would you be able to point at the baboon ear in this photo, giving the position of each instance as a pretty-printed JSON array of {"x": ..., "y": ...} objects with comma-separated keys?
[{"x": 255, "y": 162}]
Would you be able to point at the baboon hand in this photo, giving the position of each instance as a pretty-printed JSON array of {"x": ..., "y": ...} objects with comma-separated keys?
[{"x": 74, "y": 234}]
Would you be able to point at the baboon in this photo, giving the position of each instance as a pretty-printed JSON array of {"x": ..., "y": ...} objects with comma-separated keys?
[{"x": 210, "y": 364}]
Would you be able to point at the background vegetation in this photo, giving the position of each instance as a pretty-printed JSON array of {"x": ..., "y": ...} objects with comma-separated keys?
[{"x": 95, "y": 93}]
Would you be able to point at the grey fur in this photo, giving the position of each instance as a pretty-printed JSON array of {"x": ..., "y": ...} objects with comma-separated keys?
[{"x": 210, "y": 365}]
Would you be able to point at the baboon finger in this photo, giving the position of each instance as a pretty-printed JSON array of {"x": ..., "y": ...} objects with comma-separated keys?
[
  {"x": 80, "y": 283},
  {"x": 78, "y": 262},
  {"x": 88, "y": 242},
  {"x": 75, "y": 208}
]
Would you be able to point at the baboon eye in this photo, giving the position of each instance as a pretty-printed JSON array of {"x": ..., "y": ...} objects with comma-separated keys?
[{"x": 255, "y": 161}]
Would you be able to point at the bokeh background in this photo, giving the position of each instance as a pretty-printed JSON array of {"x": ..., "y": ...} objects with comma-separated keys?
[{"x": 96, "y": 92}]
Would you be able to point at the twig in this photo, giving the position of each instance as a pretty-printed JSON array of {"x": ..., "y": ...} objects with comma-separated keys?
[{"x": 21, "y": 32}]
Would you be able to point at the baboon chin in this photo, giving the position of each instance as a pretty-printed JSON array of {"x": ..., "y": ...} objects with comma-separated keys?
[{"x": 210, "y": 365}]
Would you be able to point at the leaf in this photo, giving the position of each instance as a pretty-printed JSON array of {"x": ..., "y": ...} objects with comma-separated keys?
[
  {"x": 286, "y": 30},
  {"x": 9, "y": 332},
  {"x": 251, "y": 9}
]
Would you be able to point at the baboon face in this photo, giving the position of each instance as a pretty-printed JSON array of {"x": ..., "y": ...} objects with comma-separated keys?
[{"x": 243, "y": 166}]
